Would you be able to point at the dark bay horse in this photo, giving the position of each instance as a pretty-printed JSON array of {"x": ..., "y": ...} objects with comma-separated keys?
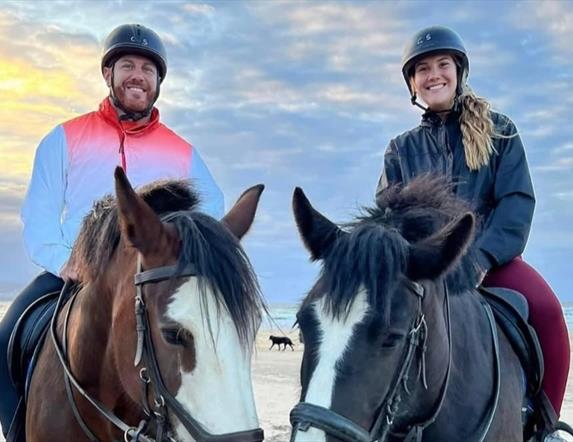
[
  {"x": 158, "y": 338},
  {"x": 398, "y": 344}
]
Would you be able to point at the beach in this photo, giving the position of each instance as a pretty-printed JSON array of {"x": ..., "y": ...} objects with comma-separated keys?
[
  {"x": 276, "y": 385},
  {"x": 276, "y": 379}
]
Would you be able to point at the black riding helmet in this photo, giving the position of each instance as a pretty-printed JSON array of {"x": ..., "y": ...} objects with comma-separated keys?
[
  {"x": 134, "y": 39},
  {"x": 433, "y": 40},
  {"x": 140, "y": 40}
]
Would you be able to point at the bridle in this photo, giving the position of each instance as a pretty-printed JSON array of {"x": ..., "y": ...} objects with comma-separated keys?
[
  {"x": 150, "y": 375},
  {"x": 305, "y": 415}
]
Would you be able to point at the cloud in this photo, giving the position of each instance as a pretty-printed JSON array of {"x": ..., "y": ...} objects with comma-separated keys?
[
  {"x": 287, "y": 93},
  {"x": 566, "y": 195},
  {"x": 565, "y": 147},
  {"x": 47, "y": 75},
  {"x": 341, "y": 36},
  {"x": 560, "y": 164},
  {"x": 266, "y": 159},
  {"x": 555, "y": 18}
]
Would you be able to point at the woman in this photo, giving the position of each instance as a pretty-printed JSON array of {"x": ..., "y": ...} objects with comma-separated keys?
[{"x": 481, "y": 153}]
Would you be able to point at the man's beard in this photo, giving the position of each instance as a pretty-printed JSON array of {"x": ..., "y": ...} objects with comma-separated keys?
[{"x": 130, "y": 103}]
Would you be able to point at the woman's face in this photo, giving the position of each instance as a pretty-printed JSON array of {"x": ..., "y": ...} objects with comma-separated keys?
[{"x": 435, "y": 81}]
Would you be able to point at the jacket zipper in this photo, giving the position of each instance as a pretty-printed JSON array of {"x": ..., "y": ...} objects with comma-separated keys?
[
  {"x": 122, "y": 151},
  {"x": 444, "y": 140}
]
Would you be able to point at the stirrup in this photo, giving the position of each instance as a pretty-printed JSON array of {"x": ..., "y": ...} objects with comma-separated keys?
[{"x": 565, "y": 427}]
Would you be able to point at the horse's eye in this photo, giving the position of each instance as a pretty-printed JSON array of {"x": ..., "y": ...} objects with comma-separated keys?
[
  {"x": 392, "y": 340},
  {"x": 174, "y": 336}
]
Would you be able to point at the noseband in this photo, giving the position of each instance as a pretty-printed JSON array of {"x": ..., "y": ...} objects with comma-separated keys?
[
  {"x": 305, "y": 415},
  {"x": 150, "y": 375}
]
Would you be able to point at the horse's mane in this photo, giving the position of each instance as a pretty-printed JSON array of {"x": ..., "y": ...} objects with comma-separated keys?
[
  {"x": 374, "y": 252},
  {"x": 99, "y": 234},
  {"x": 215, "y": 253}
]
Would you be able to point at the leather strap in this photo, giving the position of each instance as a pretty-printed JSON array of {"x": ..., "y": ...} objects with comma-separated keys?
[{"x": 162, "y": 273}]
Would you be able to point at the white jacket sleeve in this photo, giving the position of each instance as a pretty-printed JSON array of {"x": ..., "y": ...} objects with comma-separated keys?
[
  {"x": 44, "y": 204},
  {"x": 212, "y": 199}
]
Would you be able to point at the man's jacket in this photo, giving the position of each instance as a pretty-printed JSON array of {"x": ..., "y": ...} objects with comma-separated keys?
[
  {"x": 74, "y": 167},
  {"x": 501, "y": 193}
]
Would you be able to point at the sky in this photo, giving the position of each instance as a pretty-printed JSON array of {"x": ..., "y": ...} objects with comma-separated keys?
[{"x": 292, "y": 93}]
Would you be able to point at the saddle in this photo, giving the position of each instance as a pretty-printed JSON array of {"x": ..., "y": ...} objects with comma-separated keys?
[
  {"x": 511, "y": 313},
  {"x": 23, "y": 349}
]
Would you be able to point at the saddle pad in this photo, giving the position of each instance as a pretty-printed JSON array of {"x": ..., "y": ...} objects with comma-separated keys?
[{"x": 28, "y": 334}]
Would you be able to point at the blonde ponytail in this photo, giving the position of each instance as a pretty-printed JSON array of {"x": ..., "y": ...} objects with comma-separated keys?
[{"x": 477, "y": 129}]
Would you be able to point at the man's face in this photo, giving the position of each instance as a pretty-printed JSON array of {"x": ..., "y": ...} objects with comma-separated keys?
[{"x": 134, "y": 81}]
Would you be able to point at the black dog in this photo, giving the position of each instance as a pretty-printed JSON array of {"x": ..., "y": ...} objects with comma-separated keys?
[{"x": 278, "y": 340}]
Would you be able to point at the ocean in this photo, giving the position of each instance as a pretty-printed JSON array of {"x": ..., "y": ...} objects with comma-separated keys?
[
  {"x": 283, "y": 316},
  {"x": 568, "y": 310}
]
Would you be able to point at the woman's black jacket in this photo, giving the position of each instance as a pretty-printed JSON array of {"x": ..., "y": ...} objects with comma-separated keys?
[{"x": 501, "y": 193}]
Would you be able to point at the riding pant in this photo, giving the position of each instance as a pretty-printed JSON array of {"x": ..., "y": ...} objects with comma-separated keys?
[{"x": 546, "y": 317}]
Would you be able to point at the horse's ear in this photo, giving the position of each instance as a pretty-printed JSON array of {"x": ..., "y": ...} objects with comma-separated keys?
[
  {"x": 240, "y": 218},
  {"x": 317, "y": 232},
  {"x": 435, "y": 255},
  {"x": 138, "y": 222}
]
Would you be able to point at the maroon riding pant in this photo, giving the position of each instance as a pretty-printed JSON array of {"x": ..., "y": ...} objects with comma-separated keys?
[{"x": 546, "y": 317}]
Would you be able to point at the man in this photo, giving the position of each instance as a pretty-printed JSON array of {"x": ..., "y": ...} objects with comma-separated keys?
[{"x": 74, "y": 166}]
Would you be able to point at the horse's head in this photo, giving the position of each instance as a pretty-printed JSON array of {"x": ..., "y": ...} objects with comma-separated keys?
[
  {"x": 186, "y": 352},
  {"x": 364, "y": 322}
]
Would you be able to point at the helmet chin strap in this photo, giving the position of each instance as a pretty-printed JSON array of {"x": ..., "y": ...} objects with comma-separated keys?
[
  {"x": 128, "y": 114},
  {"x": 414, "y": 101}
]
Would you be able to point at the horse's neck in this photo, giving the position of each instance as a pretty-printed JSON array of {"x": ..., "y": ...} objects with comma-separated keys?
[
  {"x": 435, "y": 310},
  {"x": 92, "y": 355},
  {"x": 438, "y": 310},
  {"x": 89, "y": 329}
]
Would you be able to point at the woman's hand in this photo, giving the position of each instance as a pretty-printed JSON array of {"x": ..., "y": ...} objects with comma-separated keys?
[{"x": 480, "y": 278}]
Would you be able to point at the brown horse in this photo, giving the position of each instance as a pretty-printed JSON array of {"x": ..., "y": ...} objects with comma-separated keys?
[{"x": 175, "y": 367}]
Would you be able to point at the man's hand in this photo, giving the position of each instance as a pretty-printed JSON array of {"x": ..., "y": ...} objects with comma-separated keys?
[{"x": 69, "y": 272}]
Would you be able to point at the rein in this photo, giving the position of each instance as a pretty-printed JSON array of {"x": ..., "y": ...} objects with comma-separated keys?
[
  {"x": 305, "y": 415},
  {"x": 150, "y": 374},
  {"x": 415, "y": 432},
  {"x": 127, "y": 430}
]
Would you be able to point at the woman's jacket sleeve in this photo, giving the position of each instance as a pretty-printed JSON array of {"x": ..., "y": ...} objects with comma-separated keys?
[
  {"x": 391, "y": 172},
  {"x": 506, "y": 229}
]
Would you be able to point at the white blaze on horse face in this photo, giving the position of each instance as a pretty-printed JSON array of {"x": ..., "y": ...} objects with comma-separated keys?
[
  {"x": 218, "y": 392},
  {"x": 336, "y": 336}
]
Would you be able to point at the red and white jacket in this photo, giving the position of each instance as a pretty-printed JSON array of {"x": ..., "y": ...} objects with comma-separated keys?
[{"x": 74, "y": 166}]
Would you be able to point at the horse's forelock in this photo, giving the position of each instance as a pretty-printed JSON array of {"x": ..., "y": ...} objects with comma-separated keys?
[
  {"x": 369, "y": 257},
  {"x": 375, "y": 250},
  {"x": 99, "y": 235},
  {"x": 426, "y": 204},
  {"x": 418, "y": 210}
]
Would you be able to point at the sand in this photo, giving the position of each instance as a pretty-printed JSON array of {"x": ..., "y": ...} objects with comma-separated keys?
[{"x": 276, "y": 384}]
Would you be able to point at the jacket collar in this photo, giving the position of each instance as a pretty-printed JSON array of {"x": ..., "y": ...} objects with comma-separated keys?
[
  {"x": 432, "y": 119},
  {"x": 109, "y": 114}
]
